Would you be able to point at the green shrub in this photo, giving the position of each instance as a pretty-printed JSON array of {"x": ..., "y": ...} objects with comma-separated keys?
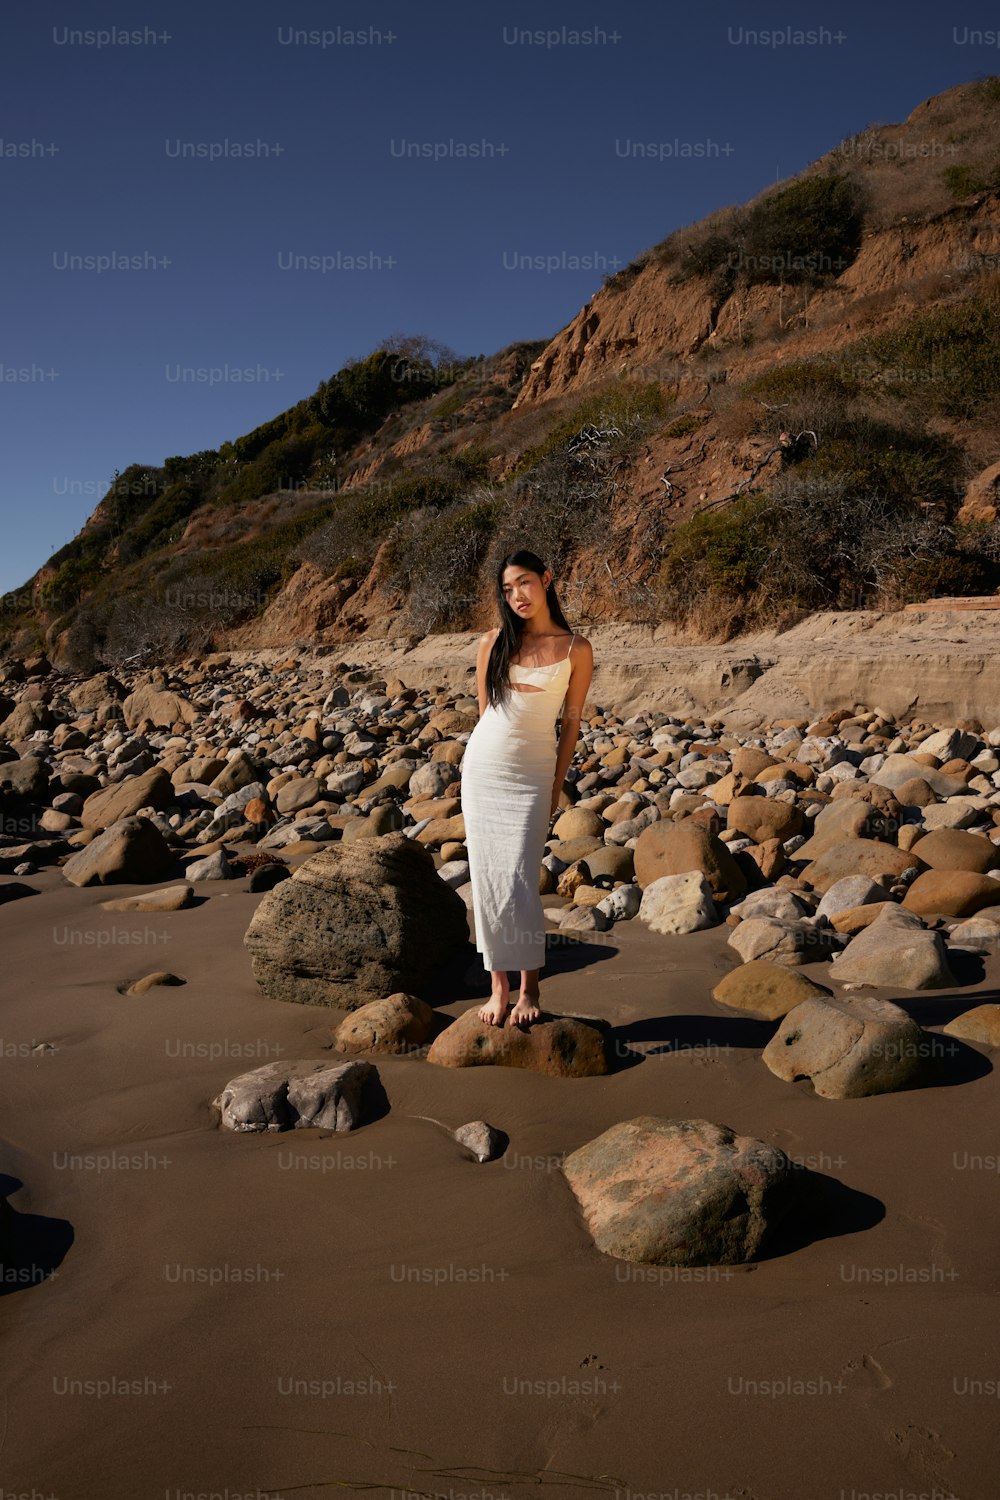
[
  {"x": 684, "y": 426},
  {"x": 809, "y": 231},
  {"x": 964, "y": 181},
  {"x": 945, "y": 360}
]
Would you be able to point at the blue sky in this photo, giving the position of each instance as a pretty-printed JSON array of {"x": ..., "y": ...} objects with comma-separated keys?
[{"x": 199, "y": 330}]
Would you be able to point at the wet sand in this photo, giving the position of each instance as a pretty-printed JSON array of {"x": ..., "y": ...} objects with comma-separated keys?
[{"x": 306, "y": 1314}]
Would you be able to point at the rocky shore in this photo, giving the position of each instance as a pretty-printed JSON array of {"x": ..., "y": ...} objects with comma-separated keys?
[{"x": 803, "y": 917}]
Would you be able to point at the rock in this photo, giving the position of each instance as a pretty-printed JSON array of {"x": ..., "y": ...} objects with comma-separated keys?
[
  {"x": 895, "y": 954},
  {"x": 858, "y": 857},
  {"x": 896, "y": 770},
  {"x": 29, "y": 777},
  {"x": 582, "y": 919},
  {"x": 169, "y": 898},
  {"x": 485, "y": 1142},
  {"x": 848, "y": 1047},
  {"x": 287, "y": 1096},
  {"x": 976, "y": 933},
  {"x": 951, "y": 893},
  {"x": 558, "y": 1046},
  {"x": 782, "y": 941},
  {"x": 765, "y": 990},
  {"x": 849, "y": 893},
  {"x": 215, "y": 866},
  {"x": 124, "y": 799},
  {"x": 951, "y": 744},
  {"x": 22, "y": 722},
  {"x": 666, "y": 848},
  {"x": 132, "y": 852},
  {"x": 679, "y": 1192},
  {"x": 266, "y": 877},
  {"x": 148, "y": 981},
  {"x": 772, "y": 902},
  {"x": 239, "y": 771},
  {"x": 13, "y": 890},
  {"x": 762, "y": 818},
  {"x": 678, "y": 903},
  {"x": 399, "y": 1023},
  {"x": 981, "y": 1024},
  {"x": 621, "y": 904},
  {"x": 159, "y": 705},
  {"x": 454, "y": 873},
  {"x": 433, "y": 779},
  {"x": 579, "y": 823},
  {"x": 301, "y": 791},
  {"x": 355, "y": 923},
  {"x": 836, "y": 823}
]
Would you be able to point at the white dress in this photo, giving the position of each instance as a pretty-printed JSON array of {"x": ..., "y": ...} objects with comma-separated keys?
[{"x": 507, "y": 774}]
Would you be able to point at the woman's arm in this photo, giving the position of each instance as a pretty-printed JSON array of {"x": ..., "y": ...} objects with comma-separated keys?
[{"x": 569, "y": 729}]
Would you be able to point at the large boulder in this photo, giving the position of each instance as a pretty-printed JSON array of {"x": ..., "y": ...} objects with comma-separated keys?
[
  {"x": 159, "y": 705},
  {"x": 132, "y": 852},
  {"x": 857, "y": 857},
  {"x": 152, "y": 788},
  {"x": 679, "y": 1192},
  {"x": 354, "y": 923},
  {"x": 762, "y": 818},
  {"x": 295, "y": 1096},
  {"x": 782, "y": 941},
  {"x": 667, "y": 848},
  {"x": 951, "y": 892},
  {"x": 896, "y": 951},
  {"x": 954, "y": 849},
  {"x": 28, "y": 777},
  {"x": 559, "y": 1046},
  {"x": 849, "y": 1047}
]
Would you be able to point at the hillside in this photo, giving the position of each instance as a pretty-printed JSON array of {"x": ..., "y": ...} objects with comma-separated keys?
[{"x": 791, "y": 406}]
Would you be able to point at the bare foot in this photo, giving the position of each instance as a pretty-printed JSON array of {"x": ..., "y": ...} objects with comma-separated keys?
[
  {"x": 526, "y": 1010},
  {"x": 493, "y": 1012}
]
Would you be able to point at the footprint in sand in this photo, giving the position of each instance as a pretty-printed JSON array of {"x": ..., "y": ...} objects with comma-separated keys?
[{"x": 866, "y": 1374}]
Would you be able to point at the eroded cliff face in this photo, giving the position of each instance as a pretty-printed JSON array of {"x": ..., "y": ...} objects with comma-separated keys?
[{"x": 652, "y": 327}]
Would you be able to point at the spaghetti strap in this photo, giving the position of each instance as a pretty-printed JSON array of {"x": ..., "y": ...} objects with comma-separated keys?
[{"x": 569, "y": 653}]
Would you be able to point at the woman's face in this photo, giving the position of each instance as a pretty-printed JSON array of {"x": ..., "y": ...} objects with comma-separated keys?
[{"x": 524, "y": 591}]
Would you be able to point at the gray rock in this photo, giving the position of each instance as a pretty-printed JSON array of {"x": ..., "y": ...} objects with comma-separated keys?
[
  {"x": 485, "y": 1143},
  {"x": 287, "y": 1096},
  {"x": 215, "y": 866},
  {"x": 131, "y": 852},
  {"x": 851, "y": 891},
  {"x": 895, "y": 951}
]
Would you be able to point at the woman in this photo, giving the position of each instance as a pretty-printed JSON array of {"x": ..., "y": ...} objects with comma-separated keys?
[{"x": 513, "y": 772}]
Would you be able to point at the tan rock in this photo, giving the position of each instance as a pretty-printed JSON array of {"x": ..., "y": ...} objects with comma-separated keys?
[
  {"x": 558, "y": 1046},
  {"x": 667, "y": 848},
  {"x": 981, "y": 1024},
  {"x": 954, "y": 849},
  {"x": 399, "y": 1023},
  {"x": 765, "y": 990},
  {"x": 951, "y": 893}
]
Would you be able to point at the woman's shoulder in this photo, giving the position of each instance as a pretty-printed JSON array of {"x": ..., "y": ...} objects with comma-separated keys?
[{"x": 581, "y": 641}]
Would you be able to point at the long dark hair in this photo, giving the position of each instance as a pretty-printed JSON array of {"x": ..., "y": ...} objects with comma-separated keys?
[{"x": 508, "y": 641}]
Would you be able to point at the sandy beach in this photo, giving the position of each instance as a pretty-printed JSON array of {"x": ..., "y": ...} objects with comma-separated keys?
[{"x": 306, "y": 1313}]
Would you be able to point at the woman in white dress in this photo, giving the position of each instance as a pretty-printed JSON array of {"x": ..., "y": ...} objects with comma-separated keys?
[{"x": 513, "y": 772}]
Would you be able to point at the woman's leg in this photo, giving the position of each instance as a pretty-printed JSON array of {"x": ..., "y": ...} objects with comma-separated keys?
[
  {"x": 526, "y": 1008},
  {"x": 495, "y": 1009}
]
